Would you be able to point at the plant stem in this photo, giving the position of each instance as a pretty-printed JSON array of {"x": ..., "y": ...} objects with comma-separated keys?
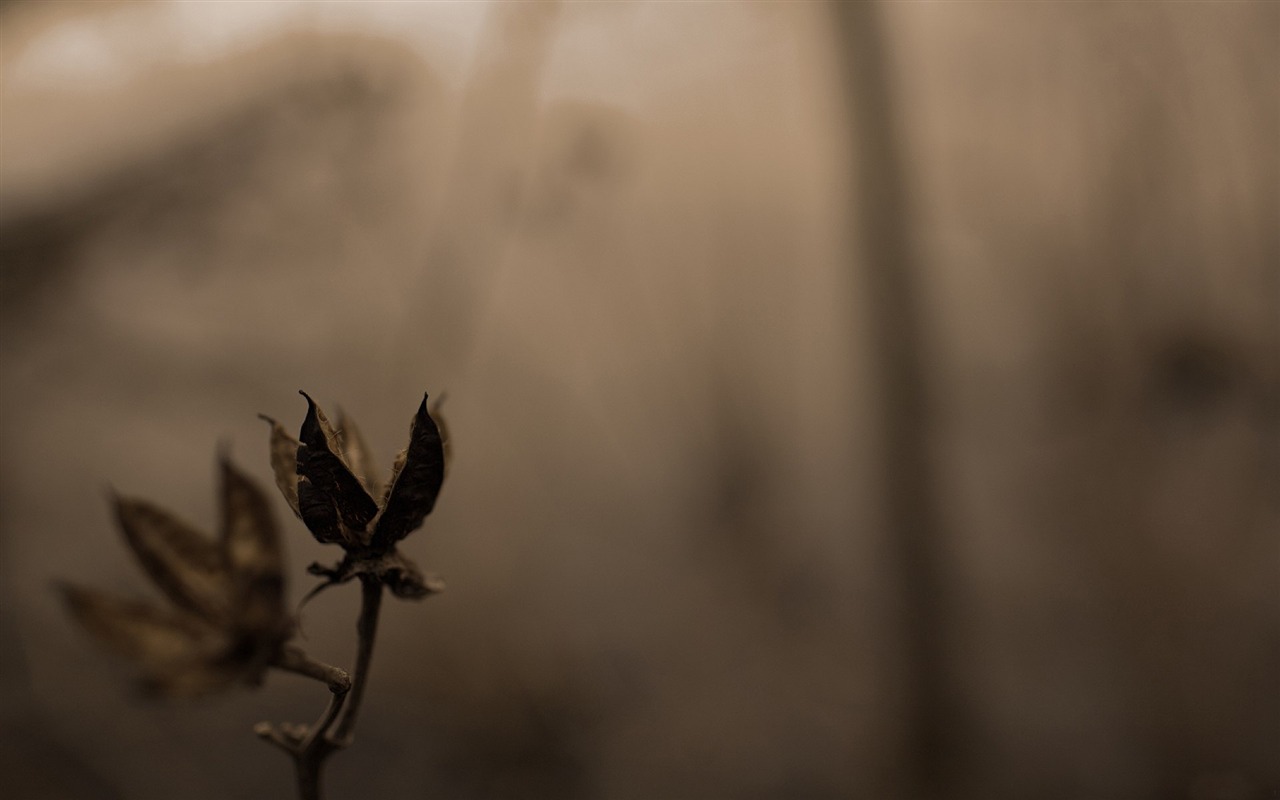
[
  {"x": 293, "y": 659},
  {"x": 307, "y": 771},
  {"x": 310, "y": 754},
  {"x": 311, "y": 746},
  {"x": 366, "y": 633},
  {"x": 308, "y": 746},
  {"x": 932, "y": 720}
]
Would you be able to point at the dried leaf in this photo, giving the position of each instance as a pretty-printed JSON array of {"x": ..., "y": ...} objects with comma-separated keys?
[
  {"x": 356, "y": 453},
  {"x": 443, "y": 425},
  {"x": 173, "y": 649},
  {"x": 396, "y": 466},
  {"x": 416, "y": 483},
  {"x": 320, "y": 516},
  {"x": 185, "y": 564},
  {"x": 284, "y": 462},
  {"x": 391, "y": 568},
  {"x": 331, "y": 500},
  {"x": 227, "y": 620},
  {"x": 405, "y": 580},
  {"x": 254, "y": 554}
]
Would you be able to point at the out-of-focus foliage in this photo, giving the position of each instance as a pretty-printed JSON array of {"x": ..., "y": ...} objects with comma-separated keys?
[{"x": 227, "y": 617}]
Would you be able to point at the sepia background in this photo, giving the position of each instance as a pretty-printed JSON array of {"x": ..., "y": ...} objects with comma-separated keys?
[{"x": 873, "y": 401}]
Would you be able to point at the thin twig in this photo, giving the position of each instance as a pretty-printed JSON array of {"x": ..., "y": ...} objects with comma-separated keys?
[
  {"x": 292, "y": 659},
  {"x": 317, "y": 731},
  {"x": 308, "y": 745},
  {"x": 366, "y": 632},
  {"x": 273, "y": 735},
  {"x": 311, "y": 746},
  {"x": 310, "y": 754}
]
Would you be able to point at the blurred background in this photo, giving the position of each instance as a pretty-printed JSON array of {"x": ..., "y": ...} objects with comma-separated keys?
[{"x": 847, "y": 400}]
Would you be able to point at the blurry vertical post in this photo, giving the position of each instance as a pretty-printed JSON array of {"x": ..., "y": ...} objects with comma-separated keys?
[
  {"x": 481, "y": 198},
  {"x": 900, "y": 361}
]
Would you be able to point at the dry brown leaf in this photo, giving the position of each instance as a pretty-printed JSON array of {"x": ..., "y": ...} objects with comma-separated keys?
[
  {"x": 416, "y": 484},
  {"x": 333, "y": 503},
  {"x": 186, "y": 565},
  {"x": 284, "y": 462},
  {"x": 357, "y": 455}
]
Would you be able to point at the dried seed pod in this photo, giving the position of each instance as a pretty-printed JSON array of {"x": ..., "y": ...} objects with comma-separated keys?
[{"x": 336, "y": 483}]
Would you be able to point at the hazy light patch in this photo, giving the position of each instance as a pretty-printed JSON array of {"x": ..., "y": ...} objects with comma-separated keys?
[
  {"x": 102, "y": 50},
  {"x": 94, "y": 52},
  {"x": 201, "y": 31},
  {"x": 444, "y": 34},
  {"x": 633, "y": 54},
  {"x": 78, "y": 52}
]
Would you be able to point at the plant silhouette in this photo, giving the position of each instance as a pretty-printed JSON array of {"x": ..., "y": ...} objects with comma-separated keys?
[{"x": 225, "y": 622}]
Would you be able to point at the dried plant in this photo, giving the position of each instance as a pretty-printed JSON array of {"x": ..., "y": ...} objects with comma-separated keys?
[
  {"x": 226, "y": 621},
  {"x": 330, "y": 481}
]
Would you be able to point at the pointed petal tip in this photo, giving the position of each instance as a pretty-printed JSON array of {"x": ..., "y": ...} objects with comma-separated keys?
[
  {"x": 119, "y": 505},
  {"x": 224, "y": 462},
  {"x": 269, "y": 420},
  {"x": 229, "y": 468},
  {"x": 315, "y": 415},
  {"x": 224, "y": 454},
  {"x": 425, "y": 407},
  {"x": 77, "y": 598}
]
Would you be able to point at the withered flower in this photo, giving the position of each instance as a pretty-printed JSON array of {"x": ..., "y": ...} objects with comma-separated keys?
[
  {"x": 226, "y": 619},
  {"x": 329, "y": 480}
]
